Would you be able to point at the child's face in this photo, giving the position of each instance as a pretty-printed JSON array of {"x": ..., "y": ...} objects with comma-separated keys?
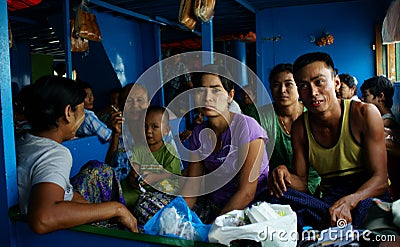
[{"x": 155, "y": 128}]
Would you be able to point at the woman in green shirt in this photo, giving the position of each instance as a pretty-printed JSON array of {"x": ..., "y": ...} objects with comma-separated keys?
[{"x": 278, "y": 123}]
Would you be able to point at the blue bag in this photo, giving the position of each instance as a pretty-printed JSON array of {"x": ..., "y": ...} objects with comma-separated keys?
[{"x": 177, "y": 220}]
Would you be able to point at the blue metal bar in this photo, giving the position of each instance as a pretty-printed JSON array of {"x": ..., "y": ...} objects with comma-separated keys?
[
  {"x": 239, "y": 52},
  {"x": 67, "y": 42},
  {"x": 157, "y": 38},
  {"x": 247, "y": 5},
  {"x": 177, "y": 25},
  {"x": 124, "y": 11},
  {"x": 207, "y": 42},
  {"x": 8, "y": 176},
  {"x": 262, "y": 57}
]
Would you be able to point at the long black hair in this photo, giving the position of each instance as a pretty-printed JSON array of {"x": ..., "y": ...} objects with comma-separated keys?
[{"x": 47, "y": 98}]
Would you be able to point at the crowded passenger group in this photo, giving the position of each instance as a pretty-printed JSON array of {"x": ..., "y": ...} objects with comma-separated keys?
[{"x": 330, "y": 159}]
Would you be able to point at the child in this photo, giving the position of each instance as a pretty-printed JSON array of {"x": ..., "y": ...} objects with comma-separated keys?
[
  {"x": 133, "y": 101},
  {"x": 150, "y": 161}
]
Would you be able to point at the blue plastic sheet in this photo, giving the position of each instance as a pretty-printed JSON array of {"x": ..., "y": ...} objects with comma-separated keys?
[{"x": 185, "y": 217}]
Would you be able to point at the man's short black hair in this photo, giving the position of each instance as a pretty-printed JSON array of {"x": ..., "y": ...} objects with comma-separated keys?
[
  {"x": 280, "y": 68},
  {"x": 308, "y": 58}
]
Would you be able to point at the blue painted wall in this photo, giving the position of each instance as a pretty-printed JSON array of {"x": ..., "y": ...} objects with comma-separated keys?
[
  {"x": 95, "y": 69},
  {"x": 127, "y": 49},
  {"x": 351, "y": 23},
  {"x": 21, "y": 67}
]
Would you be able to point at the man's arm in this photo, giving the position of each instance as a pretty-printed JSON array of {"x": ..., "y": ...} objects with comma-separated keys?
[
  {"x": 281, "y": 177},
  {"x": 367, "y": 126}
]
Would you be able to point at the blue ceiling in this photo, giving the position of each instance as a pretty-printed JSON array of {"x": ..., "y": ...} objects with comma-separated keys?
[{"x": 230, "y": 17}]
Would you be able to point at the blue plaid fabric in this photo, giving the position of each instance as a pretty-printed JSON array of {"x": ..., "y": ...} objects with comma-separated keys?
[{"x": 93, "y": 126}]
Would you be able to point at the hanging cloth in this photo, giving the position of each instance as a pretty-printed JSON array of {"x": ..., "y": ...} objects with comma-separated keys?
[{"x": 391, "y": 24}]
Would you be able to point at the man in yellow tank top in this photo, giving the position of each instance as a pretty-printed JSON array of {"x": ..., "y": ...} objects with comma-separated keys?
[{"x": 342, "y": 139}]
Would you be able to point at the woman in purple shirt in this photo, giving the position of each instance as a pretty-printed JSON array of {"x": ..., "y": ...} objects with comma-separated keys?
[{"x": 228, "y": 161}]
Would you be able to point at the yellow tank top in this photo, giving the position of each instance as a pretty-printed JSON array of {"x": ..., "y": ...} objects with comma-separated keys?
[{"x": 341, "y": 159}]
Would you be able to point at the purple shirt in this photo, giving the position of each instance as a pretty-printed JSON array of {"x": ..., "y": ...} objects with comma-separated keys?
[{"x": 224, "y": 164}]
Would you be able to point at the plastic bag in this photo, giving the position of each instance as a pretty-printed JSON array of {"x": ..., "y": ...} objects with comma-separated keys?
[
  {"x": 274, "y": 231},
  {"x": 148, "y": 204},
  {"x": 78, "y": 44},
  {"x": 204, "y": 10},
  {"x": 86, "y": 25},
  {"x": 186, "y": 15},
  {"x": 177, "y": 220}
]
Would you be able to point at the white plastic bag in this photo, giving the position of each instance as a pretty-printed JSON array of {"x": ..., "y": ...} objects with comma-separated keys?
[{"x": 280, "y": 231}]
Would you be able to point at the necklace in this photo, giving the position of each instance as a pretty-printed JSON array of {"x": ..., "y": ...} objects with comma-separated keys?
[{"x": 283, "y": 123}]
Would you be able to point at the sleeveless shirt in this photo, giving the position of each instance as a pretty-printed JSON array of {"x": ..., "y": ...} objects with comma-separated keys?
[{"x": 342, "y": 158}]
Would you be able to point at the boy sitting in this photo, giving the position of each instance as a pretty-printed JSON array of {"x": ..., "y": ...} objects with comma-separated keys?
[{"x": 153, "y": 164}]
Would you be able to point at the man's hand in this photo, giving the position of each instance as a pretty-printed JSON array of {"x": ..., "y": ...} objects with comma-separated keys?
[
  {"x": 278, "y": 179},
  {"x": 116, "y": 121},
  {"x": 341, "y": 210}
]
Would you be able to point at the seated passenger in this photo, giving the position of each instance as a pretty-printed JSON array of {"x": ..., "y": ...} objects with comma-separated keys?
[
  {"x": 348, "y": 87},
  {"x": 379, "y": 91},
  {"x": 92, "y": 125},
  {"x": 229, "y": 149},
  {"x": 154, "y": 161},
  {"x": 113, "y": 105},
  {"x": 134, "y": 99},
  {"x": 21, "y": 124},
  {"x": 248, "y": 106},
  {"x": 54, "y": 107},
  {"x": 278, "y": 123},
  {"x": 343, "y": 140},
  {"x": 392, "y": 138}
]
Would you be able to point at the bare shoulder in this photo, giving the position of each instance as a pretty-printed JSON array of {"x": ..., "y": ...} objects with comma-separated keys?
[
  {"x": 366, "y": 120},
  {"x": 362, "y": 111}
]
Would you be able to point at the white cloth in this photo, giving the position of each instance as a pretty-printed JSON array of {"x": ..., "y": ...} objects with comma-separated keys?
[
  {"x": 41, "y": 160},
  {"x": 396, "y": 213},
  {"x": 234, "y": 107},
  {"x": 355, "y": 98}
]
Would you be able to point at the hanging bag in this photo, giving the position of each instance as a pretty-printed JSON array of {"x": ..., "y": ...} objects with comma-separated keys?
[
  {"x": 86, "y": 25},
  {"x": 204, "y": 9},
  {"x": 186, "y": 15},
  {"x": 78, "y": 44}
]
